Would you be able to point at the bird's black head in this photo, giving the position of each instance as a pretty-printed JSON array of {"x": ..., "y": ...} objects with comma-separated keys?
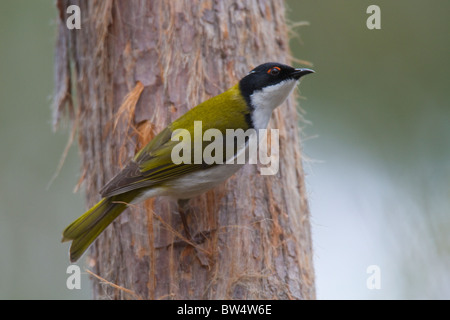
[{"x": 267, "y": 75}]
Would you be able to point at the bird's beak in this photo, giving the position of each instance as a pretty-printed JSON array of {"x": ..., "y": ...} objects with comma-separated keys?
[{"x": 298, "y": 73}]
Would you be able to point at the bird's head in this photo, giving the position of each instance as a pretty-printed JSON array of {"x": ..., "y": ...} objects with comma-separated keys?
[{"x": 268, "y": 85}]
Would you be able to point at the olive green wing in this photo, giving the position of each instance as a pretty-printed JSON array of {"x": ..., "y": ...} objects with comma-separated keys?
[{"x": 151, "y": 166}]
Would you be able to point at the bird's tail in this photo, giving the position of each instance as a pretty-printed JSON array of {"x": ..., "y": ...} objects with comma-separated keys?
[{"x": 83, "y": 231}]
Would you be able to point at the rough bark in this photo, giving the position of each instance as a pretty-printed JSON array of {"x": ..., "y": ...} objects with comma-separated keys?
[{"x": 168, "y": 56}]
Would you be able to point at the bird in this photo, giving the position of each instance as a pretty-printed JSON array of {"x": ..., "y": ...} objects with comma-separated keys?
[{"x": 152, "y": 171}]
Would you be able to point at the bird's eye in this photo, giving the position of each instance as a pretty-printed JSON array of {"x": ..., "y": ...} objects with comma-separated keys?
[{"x": 274, "y": 71}]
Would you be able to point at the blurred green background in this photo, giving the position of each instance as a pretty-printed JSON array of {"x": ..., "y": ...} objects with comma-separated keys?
[{"x": 376, "y": 141}]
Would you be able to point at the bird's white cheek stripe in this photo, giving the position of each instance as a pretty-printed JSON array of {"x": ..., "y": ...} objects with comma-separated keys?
[{"x": 266, "y": 100}]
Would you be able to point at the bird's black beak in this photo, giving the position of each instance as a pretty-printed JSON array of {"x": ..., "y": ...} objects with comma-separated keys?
[{"x": 298, "y": 73}]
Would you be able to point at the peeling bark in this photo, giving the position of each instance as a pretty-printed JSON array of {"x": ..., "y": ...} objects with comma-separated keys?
[{"x": 168, "y": 56}]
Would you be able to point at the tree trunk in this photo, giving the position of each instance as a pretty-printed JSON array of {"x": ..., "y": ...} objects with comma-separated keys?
[{"x": 137, "y": 66}]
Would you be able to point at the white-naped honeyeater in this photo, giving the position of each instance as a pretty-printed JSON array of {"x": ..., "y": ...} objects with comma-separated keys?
[{"x": 152, "y": 172}]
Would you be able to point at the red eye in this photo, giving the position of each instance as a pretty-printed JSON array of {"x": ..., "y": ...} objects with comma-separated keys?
[{"x": 274, "y": 71}]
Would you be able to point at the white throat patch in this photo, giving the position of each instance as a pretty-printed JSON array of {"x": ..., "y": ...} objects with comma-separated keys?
[{"x": 266, "y": 100}]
